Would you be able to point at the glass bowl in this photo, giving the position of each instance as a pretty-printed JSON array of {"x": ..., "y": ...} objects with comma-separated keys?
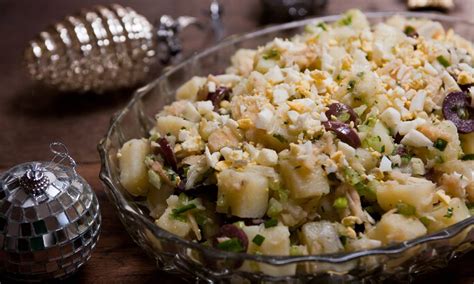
[{"x": 189, "y": 259}]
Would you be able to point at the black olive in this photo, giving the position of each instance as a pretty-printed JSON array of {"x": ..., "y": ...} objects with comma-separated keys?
[
  {"x": 342, "y": 113},
  {"x": 457, "y": 108},
  {"x": 233, "y": 233},
  {"x": 343, "y": 132},
  {"x": 216, "y": 97},
  {"x": 167, "y": 153}
]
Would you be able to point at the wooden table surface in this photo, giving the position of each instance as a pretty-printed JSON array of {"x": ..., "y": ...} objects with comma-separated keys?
[{"x": 32, "y": 117}]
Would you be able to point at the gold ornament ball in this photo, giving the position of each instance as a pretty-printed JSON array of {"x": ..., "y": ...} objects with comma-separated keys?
[{"x": 99, "y": 49}]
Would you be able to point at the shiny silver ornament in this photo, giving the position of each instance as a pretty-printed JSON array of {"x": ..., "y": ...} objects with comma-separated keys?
[
  {"x": 102, "y": 49},
  {"x": 49, "y": 219}
]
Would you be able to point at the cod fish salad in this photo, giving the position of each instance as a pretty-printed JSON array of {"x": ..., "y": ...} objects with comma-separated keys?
[{"x": 345, "y": 137}]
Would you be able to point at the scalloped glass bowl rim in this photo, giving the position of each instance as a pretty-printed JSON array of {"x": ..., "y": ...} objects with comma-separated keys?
[{"x": 121, "y": 202}]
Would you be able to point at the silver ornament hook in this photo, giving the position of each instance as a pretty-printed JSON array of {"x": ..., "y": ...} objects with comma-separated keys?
[
  {"x": 61, "y": 152},
  {"x": 167, "y": 33}
]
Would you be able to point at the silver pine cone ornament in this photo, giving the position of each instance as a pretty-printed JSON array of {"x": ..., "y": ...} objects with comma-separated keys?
[{"x": 102, "y": 49}]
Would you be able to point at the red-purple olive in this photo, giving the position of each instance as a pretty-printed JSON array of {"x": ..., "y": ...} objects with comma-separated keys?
[
  {"x": 344, "y": 132},
  {"x": 230, "y": 232},
  {"x": 167, "y": 153},
  {"x": 457, "y": 108},
  {"x": 217, "y": 96},
  {"x": 342, "y": 113}
]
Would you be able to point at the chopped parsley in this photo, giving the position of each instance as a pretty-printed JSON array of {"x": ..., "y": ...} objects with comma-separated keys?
[
  {"x": 346, "y": 21},
  {"x": 409, "y": 30},
  {"x": 270, "y": 223},
  {"x": 440, "y": 144},
  {"x": 272, "y": 54},
  {"x": 340, "y": 203},
  {"x": 406, "y": 209},
  {"x": 425, "y": 220},
  {"x": 231, "y": 245},
  {"x": 406, "y": 158},
  {"x": 281, "y": 192},
  {"x": 373, "y": 142},
  {"x": 258, "y": 240},
  {"x": 449, "y": 213},
  {"x": 323, "y": 26},
  {"x": 443, "y": 61},
  {"x": 279, "y": 137},
  {"x": 351, "y": 176},
  {"x": 185, "y": 208},
  {"x": 365, "y": 191},
  {"x": 371, "y": 121},
  {"x": 173, "y": 176}
]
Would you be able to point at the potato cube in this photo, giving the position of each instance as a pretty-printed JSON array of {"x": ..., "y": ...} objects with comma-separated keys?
[
  {"x": 172, "y": 125},
  {"x": 276, "y": 242},
  {"x": 263, "y": 65},
  {"x": 320, "y": 237},
  {"x": 242, "y": 61},
  {"x": 417, "y": 192},
  {"x": 133, "y": 171},
  {"x": 242, "y": 193},
  {"x": 445, "y": 215},
  {"x": 190, "y": 89},
  {"x": 303, "y": 182},
  {"x": 385, "y": 138},
  {"x": 222, "y": 137},
  {"x": 395, "y": 228},
  {"x": 173, "y": 225}
]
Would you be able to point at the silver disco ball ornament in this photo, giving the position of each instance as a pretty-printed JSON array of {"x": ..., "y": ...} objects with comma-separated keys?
[{"x": 49, "y": 219}]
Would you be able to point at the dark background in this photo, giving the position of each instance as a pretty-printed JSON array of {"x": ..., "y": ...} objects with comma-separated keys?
[{"x": 31, "y": 117}]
